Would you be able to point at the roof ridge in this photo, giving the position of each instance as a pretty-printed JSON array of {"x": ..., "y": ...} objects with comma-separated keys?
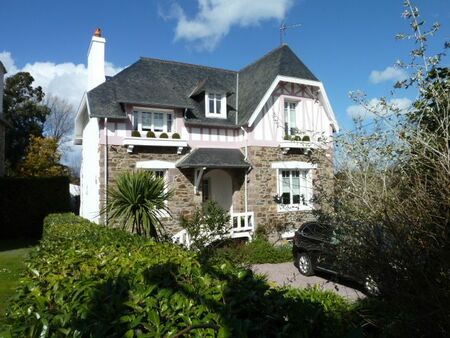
[
  {"x": 187, "y": 64},
  {"x": 264, "y": 56}
]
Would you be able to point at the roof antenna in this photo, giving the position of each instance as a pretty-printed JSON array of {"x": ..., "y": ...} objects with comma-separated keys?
[{"x": 284, "y": 28}]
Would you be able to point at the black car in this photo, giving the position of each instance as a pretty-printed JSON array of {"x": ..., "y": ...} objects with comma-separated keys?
[{"x": 314, "y": 248}]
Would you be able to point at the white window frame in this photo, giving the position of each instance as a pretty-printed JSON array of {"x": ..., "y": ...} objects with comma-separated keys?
[
  {"x": 218, "y": 114},
  {"x": 288, "y": 119},
  {"x": 138, "y": 125},
  {"x": 306, "y": 187}
]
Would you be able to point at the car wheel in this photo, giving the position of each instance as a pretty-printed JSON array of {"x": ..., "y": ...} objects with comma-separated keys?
[
  {"x": 304, "y": 264},
  {"x": 370, "y": 286}
]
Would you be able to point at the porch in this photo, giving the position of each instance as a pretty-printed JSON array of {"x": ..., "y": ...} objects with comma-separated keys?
[{"x": 220, "y": 176}]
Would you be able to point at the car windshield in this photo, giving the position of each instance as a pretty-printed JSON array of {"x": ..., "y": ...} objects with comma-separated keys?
[{"x": 317, "y": 230}]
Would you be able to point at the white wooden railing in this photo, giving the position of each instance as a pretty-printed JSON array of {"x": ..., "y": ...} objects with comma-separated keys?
[{"x": 242, "y": 226}]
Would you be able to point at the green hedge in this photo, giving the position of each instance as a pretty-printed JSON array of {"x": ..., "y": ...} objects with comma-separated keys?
[
  {"x": 86, "y": 280},
  {"x": 258, "y": 251},
  {"x": 24, "y": 203}
]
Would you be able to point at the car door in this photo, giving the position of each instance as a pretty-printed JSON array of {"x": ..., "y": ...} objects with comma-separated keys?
[
  {"x": 311, "y": 242},
  {"x": 320, "y": 235}
]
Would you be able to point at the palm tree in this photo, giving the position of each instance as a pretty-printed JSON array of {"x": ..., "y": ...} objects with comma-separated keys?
[{"x": 137, "y": 202}]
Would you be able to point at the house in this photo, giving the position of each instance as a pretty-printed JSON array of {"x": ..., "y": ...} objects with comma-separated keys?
[
  {"x": 2, "y": 122},
  {"x": 242, "y": 138}
]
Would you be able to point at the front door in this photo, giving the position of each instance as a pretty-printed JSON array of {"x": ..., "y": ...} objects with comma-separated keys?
[{"x": 217, "y": 186}]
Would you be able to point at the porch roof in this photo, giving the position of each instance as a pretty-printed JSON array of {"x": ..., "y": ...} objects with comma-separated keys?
[{"x": 214, "y": 158}]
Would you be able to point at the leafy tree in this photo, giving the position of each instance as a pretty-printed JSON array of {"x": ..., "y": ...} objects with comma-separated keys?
[
  {"x": 24, "y": 110},
  {"x": 42, "y": 158},
  {"x": 137, "y": 202},
  {"x": 390, "y": 201}
]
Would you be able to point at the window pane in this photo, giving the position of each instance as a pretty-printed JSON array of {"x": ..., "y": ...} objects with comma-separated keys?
[
  {"x": 286, "y": 198},
  {"x": 135, "y": 120},
  {"x": 286, "y": 119},
  {"x": 158, "y": 121},
  {"x": 293, "y": 118},
  {"x": 159, "y": 173},
  {"x": 169, "y": 123},
  {"x": 146, "y": 121},
  {"x": 219, "y": 104},
  {"x": 295, "y": 187},
  {"x": 211, "y": 104}
]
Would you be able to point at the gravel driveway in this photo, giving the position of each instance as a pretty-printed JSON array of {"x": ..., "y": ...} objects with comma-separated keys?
[{"x": 287, "y": 274}]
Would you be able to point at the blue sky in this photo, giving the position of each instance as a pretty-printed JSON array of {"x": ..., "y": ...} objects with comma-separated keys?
[{"x": 342, "y": 42}]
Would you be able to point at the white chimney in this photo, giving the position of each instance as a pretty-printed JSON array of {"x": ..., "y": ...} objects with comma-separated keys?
[
  {"x": 96, "y": 60},
  {"x": 2, "y": 79}
]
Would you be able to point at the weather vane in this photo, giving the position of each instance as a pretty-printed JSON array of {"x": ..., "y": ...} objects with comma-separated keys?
[{"x": 284, "y": 28}]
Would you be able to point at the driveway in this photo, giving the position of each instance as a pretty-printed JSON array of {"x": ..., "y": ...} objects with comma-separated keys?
[{"x": 286, "y": 274}]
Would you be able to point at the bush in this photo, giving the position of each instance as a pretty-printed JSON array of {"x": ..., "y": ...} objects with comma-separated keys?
[
  {"x": 258, "y": 251},
  {"x": 135, "y": 133},
  {"x": 87, "y": 280},
  {"x": 151, "y": 134},
  {"x": 24, "y": 203},
  {"x": 306, "y": 138},
  {"x": 287, "y": 137},
  {"x": 163, "y": 135},
  {"x": 176, "y": 136}
]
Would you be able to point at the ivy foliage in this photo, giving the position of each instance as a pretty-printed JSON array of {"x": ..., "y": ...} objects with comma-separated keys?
[{"x": 87, "y": 280}]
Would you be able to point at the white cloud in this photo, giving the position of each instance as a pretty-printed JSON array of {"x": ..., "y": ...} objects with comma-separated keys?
[
  {"x": 65, "y": 80},
  {"x": 359, "y": 111},
  {"x": 215, "y": 18},
  {"x": 388, "y": 74}
]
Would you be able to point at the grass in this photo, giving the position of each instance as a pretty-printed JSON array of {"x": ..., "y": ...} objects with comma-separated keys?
[{"x": 12, "y": 264}]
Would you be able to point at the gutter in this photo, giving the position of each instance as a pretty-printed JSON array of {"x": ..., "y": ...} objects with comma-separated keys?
[{"x": 106, "y": 169}]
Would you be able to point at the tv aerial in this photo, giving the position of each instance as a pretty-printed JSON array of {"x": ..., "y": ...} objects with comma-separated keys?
[{"x": 284, "y": 28}]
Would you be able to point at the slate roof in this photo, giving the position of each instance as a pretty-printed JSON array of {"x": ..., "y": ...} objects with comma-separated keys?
[
  {"x": 214, "y": 158},
  {"x": 173, "y": 84}
]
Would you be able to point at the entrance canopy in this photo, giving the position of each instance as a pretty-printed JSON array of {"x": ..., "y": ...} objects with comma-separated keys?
[{"x": 214, "y": 158}]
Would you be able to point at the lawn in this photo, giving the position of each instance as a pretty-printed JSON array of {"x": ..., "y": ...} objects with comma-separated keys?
[{"x": 12, "y": 257}]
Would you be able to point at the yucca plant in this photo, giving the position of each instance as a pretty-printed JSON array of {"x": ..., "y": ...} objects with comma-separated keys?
[{"x": 137, "y": 202}]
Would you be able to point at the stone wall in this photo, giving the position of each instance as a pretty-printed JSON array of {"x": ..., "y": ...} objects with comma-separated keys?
[{"x": 262, "y": 182}]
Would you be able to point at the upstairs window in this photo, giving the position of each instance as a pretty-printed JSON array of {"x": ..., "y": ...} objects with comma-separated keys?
[
  {"x": 215, "y": 105},
  {"x": 290, "y": 118},
  {"x": 156, "y": 121}
]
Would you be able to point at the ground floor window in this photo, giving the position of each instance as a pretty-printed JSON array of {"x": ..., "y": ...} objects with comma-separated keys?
[{"x": 295, "y": 189}]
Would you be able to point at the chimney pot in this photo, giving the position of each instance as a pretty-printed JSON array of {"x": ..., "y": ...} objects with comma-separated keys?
[{"x": 98, "y": 32}]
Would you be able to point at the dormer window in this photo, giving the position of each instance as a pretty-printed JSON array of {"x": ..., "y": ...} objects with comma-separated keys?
[{"x": 216, "y": 105}]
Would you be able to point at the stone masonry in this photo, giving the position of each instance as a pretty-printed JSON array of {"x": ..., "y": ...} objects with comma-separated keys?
[{"x": 262, "y": 182}]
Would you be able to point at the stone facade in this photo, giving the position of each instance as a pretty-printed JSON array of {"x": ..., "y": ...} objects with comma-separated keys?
[{"x": 262, "y": 182}]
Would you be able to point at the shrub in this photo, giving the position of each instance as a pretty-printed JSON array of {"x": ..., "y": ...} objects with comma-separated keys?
[
  {"x": 151, "y": 134},
  {"x": 135, "y": 133},
  {"x": 137, "y": 202},
  {"x": 207, "y": 225},
  {"x": 306, "y": 138},
  {"x": 176, "y": 136},
  {"x": 287, "y": 137},
  {"x": 297, "y": 138},
  {"x": 258, "y": 251},
  {"x": 87, "y": 280},
  {"x": 163, "y": 135}
]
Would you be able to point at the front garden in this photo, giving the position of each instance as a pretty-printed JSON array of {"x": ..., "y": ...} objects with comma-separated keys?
[{"x": 87, "y": 280}]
